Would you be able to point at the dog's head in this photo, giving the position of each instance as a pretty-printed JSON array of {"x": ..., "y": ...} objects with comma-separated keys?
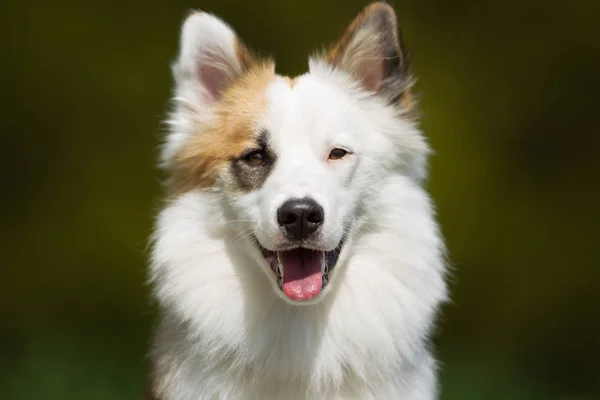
[{"x": 292, "y": 162}]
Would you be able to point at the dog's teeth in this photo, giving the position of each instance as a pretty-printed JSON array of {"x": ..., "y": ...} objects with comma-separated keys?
[{"x": 279, "y": 266}]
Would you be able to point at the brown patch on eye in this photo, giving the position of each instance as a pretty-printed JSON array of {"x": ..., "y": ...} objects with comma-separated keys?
[
  {"x": 228, "y": 134},
  {"x": 248, "y": 175}
]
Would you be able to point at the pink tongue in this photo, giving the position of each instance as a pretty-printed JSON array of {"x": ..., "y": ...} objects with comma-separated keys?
[{"x": 302, "y": 277}]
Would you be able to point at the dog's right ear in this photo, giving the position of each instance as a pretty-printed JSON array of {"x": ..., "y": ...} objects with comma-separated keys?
[{"x": 210, "y": 58}]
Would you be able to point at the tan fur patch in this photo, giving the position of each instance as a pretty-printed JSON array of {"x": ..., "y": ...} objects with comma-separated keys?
[
  {"x": 228, "y": 134},
  {"x": 243, "y": 54}
]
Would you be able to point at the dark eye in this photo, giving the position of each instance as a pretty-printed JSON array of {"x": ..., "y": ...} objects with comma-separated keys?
[
  {"x": 337, "y": 154},
  {"x": 256, "y": 157}
]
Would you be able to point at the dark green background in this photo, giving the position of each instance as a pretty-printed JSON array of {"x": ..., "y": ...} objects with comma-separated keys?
[{"x": 509, "y": 93}]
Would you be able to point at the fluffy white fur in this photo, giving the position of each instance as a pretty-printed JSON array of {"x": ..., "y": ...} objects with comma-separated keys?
[{"x": 226, "y": 331}]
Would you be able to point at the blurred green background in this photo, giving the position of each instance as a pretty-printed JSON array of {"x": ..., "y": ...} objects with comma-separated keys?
[{"x": 509, "y": 92}]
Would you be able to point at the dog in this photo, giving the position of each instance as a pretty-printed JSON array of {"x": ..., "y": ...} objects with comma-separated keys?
[{"x": 297, "y": 255}]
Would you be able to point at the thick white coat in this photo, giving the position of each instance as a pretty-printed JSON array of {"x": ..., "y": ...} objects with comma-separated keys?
[{"x": 226, "y": 331}]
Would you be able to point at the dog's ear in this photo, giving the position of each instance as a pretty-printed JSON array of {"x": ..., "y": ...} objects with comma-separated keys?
[
  {"x": 372, "y": 51},
  {"x": 210, "y": 57}
]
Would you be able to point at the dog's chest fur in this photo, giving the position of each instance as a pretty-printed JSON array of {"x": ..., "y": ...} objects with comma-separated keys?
[{"x": 329, "y": 353}]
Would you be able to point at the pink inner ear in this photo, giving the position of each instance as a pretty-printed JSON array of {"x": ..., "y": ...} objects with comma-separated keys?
[
  {"x": 213, "y": 79},
  {"x": 372, "y": 76}
]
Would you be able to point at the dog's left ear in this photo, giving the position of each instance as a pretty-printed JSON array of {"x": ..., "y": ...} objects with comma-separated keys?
[{"x": 372, "y": 51}]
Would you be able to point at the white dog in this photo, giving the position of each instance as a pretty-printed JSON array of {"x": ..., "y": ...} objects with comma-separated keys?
[{"x": 297, "y": 256}]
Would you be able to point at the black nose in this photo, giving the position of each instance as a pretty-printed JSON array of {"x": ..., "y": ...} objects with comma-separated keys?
[{"x": 300, "y": 217}]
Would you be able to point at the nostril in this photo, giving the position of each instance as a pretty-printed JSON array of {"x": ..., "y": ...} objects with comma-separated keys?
[
  {"x": 286, "y": 218},
  {"x": 316, "y": 216}
]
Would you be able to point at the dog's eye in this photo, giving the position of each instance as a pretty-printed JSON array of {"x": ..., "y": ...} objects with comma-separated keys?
[
  {"x": 256, "y": 157},
  {"x": 337, "y": 154}
]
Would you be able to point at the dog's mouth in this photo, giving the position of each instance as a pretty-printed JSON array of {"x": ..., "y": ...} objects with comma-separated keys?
[{"x": 302, "y": 273}]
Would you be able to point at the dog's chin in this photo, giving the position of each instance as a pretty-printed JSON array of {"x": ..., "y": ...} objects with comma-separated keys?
[{"x": 302, "y": 274}]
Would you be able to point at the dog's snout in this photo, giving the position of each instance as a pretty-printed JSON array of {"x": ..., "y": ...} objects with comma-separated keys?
[{"x": 300, "y": 217}]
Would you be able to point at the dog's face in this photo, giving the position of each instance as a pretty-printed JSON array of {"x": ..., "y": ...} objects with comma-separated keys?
[
  {"x": 298, "y": 184},
  {"x": 292, "y": 161}
]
